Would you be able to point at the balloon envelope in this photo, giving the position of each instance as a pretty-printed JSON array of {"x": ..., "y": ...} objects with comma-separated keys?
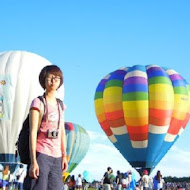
[
  {"x": 143, "y": 110},
  {"x": 88, "y": 177},
  {"x": 77, "y": 144},
  {"x": 19, "y": 84}
]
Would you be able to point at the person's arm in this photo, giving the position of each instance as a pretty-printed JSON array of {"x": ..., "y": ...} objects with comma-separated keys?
[
  {"x": 63, "y": 148},
  {"x": 34, "y": 120}
]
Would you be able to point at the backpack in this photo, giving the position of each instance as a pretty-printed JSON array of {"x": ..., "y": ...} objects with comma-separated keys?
[{"x": 23, "y": 139}]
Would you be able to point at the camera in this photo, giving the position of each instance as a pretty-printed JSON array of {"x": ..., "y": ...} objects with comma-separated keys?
[{"x": 52, "y": 134}]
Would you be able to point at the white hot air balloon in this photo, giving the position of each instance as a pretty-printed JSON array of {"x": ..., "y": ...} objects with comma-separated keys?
[{"x": 19, "y": 85}]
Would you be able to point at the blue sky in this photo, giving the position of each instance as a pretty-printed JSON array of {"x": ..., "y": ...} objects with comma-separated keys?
[{"x": 88, "y": 40}]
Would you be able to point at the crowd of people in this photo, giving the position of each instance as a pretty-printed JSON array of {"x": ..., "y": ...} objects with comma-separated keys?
[
  {"x": 126, "y": 181},
  {"x": 12, "y": 181},
  {"x": 79, "y": 183}
]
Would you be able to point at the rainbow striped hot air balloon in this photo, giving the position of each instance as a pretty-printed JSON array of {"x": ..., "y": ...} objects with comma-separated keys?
[
  {"x": 78, "y": 142},
  {"x": 143, "y": 110}
]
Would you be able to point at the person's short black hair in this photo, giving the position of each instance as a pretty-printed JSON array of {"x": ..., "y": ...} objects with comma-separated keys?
[
  {"x": 109, "y": 168},
  {"x": 50, "y": 69}
]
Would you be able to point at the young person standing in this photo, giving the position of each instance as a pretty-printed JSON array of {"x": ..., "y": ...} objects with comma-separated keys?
[{"x": 47, "y": 135}]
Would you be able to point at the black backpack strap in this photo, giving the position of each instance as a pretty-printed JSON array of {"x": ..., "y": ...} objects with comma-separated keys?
[
  {"x": 41, "y": 99},
  {"x": 61, "y": 103}
]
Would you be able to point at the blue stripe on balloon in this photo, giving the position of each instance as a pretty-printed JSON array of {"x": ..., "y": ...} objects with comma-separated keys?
[
  {"x": 7, "y": 157},
  {"x": 135, "y": 88},
  {"x": 123, "y": 144},
  {"x": 131, "y": 154},
  {"x": 178, "y": 83},
  {"x": 137, "y": 68},
  {"x": 155, "y": 72},
  {"x": 140, "y": 154},
  {"x": 117, "y": 75},
  {"x": 165, "y": 148},
  {"x": 100, "y": 87},
  {"x": 154, "y": 143}
]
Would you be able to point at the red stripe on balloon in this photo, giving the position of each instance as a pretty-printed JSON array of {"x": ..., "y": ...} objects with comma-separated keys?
[
  {"x": 157, "y": 113},
  {"x": 117, "y": 123},
  {"x": 105, "y": 126},
  {"x": 114, "y": 115},
  {"x": 138, "y": 137},
  {"x": 186, "y": 120},
  {"x": 159, "y": 121},
  {"x": 175, "y": 126},
  {"x": 137, "y": 129}
]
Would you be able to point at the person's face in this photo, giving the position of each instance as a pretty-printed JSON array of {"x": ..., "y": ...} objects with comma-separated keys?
[{"x": 52, "y": 82}]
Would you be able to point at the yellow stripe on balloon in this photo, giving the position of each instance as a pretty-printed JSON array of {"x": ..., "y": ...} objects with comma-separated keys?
[
  {"x": 161, "y": 96},
  {"x": 179, "y": 115},
  {"x": 161, "y": 88},
  {"x": 136, "y": 105},
  {"x": 136, "y": 113},
  {"x": 111, "y": 91},
  {"x": 99, "y": 106},
  {"x": 112, "y": 95},
  {"x": 180, "y": 106}
]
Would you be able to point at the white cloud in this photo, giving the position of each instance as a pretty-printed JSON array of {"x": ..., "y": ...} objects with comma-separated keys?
[{"x": 102, "y": 154}]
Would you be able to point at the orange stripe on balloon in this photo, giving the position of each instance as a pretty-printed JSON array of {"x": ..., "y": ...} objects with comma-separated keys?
[
  {"x": 101, "y": 117},
  {"x": 113, "y": 106},
  {"x": 136, "y": 121},
  {"x": 114, "y": 115}
]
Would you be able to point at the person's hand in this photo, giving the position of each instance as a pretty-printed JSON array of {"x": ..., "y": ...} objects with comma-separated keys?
[
  {"x": 34, "y": 170},
  {"x": 64, "y": 164}
]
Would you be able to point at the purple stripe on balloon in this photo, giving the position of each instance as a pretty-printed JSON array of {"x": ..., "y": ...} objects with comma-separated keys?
[
  {"x": 176, "y": 77},
  {"x": 154, "y": 69},
  {"x": 136, "y": 80},
  {"x": 122, "y": 72},
  {"x": 103, "y": 81}
]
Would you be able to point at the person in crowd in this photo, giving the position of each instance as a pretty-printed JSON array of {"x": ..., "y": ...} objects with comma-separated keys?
[
  {"x": 85, "y": 184},
  {"x": 158, "y": 181},
  {"x": 72, "y": 183},
  {"x": 106, "y": 180},
  {"x": 20, "y": 176},
  {"x": 5, "y": 177},
  {"x": 65, "y": 185},
  {"x": 124, "y": 181},
  {"x": 118, "y": 180},
  {"x": 79, "y": 182},
  {"x": 145, "y": 180},
  {"x": 111, "y": 178},
  {"x": 47, "y": 135}
]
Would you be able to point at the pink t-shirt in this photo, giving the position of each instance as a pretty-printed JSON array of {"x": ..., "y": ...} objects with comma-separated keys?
[{"x": 45, "y": 145}]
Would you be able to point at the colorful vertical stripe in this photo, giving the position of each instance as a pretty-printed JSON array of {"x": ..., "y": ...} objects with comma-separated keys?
[{"x": 77, "y": 144}]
